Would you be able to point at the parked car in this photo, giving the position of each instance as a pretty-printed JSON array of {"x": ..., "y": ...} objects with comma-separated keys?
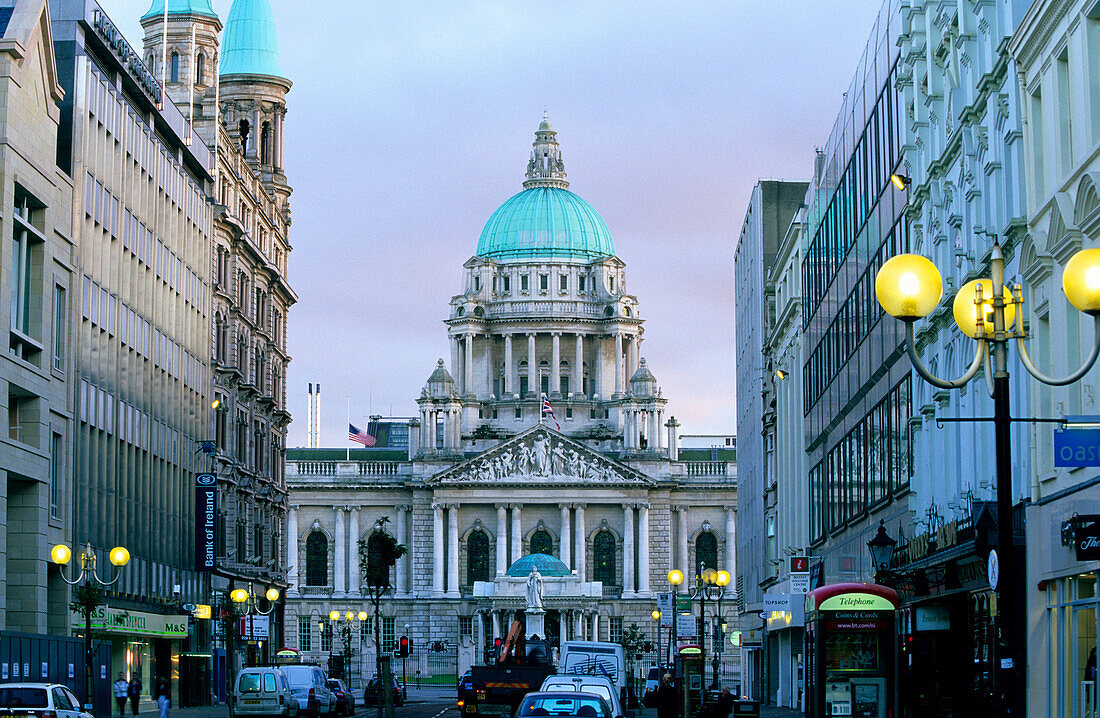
[
  {"x": 600, "y": 685},
  {"x": 308, "y": 686},
  {"x": 652, "y": 680},
  {"x": 345, "y": 699},
  {"x": 262, "y": 691},
  {"x": 372, "y": 694},
  {"x": 41, "y": 700},
  {"x": 563, "y": 703}
]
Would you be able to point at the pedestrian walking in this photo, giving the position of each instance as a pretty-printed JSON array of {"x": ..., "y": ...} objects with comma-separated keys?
[
  {"x": 134, "y": 691},
  {"x": 163, "y": 702},
  {"x": 667, "y": 698},
  {"x": 122, "y": 689}
]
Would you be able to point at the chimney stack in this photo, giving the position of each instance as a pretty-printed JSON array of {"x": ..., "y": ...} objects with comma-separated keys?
[{"x": 309, "y": 418}]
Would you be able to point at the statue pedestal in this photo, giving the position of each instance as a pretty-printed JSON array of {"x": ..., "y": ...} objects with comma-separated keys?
[{"x": 536, "y": 622}]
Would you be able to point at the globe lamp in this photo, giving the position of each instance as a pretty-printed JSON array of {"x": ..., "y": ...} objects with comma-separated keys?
[
  {"x": 656, "y": 615},
  {"x": 272, "y": 594},
  {"x": 1081, "y": 281},
  {"x": 908, "y": 286},
  {"x": 119, "y": 556},
  {"x": 238, "y": 595},
  {"x": 362, "y": 615},
  {"x": 60, "y": 554},
  {"x": 966, "y": 311},
  {"x": 723, "y": 578},
  {"x": 675, "y": 577},
  {"x": 710, "y": 576}
]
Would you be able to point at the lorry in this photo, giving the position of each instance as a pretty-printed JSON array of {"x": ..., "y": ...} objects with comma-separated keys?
[{"x": 497, "y": 689}]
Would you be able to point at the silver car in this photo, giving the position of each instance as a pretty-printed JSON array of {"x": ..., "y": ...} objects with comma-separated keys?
[
  {"x": 39, "y": 699},
  {"x": 262, "y": 691},
  {"x": 309, "y": 687}
]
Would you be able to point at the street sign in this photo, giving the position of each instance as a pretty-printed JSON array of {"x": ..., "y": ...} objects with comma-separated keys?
[
  {"x": 254, "y": 626},
  {"x": 993, "y": 569},
  {"x": 683, "y": 604},
  {"x": 664, "y": 605},
  {"x": 1077, "y": 447},
  {"x": 206, "y": 516},
  {"x": 777, "y": 602},
  {"x": 800, "y": 564},
  {"x": 800, "y": 583},
  {"x": 685, "y": 626}
]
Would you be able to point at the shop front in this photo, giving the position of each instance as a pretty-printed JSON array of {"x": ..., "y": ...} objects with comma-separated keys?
[
  {"x": 145, "y": 645},
  {"x": 785, "y": 621}
]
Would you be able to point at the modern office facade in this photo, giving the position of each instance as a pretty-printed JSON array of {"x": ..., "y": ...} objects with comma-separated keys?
[
  {"x": 1055, "y": 52},
  {"x": 143, "y": 231},
  {"x": 772, "y": 206},
  {"x": 38, "y": 288}
]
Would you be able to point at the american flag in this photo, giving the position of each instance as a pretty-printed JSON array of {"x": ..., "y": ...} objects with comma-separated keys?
[
  {"x": 359, "y": 435},
  {"x": 547, "y": 409}
]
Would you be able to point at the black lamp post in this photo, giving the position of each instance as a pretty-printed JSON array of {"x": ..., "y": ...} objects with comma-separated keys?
[{"x": 882, "y": 551}]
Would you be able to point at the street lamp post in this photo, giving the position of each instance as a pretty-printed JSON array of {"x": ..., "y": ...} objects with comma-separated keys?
[
  {"x": 909, "y": 287},
  {"x": 89, "y": 597},
  {"x": 675, "y": 578},
  {"x": 345, "y": 631},
  {"x": 250, "y": 602},
  {"x": 657, "y": 627}
]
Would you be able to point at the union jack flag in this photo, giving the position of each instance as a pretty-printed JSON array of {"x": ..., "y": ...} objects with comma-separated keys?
[
  {"x": 361, "y": 436},
  {"x": 547, "y": 409}
]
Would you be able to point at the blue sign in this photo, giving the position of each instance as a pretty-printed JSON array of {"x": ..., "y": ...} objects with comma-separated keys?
[{"x": 1077, "y": 447}]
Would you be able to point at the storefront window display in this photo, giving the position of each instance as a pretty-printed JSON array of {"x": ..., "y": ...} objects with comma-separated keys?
[{"x": 1072, "y": 607}]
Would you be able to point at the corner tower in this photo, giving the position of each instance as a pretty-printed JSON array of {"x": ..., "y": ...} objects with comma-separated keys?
[
  {"x": 181, "y": 50},
  {"x": 253, "y": 92}
]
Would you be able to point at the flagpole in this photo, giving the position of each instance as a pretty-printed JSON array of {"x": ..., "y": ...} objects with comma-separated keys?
[
  {"x": 542, "y": 406},
  {"x": 348, "y": 397}
]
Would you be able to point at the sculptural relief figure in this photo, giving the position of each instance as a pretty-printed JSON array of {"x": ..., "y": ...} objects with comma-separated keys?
[
  {"x": 557, "y": 460},
  {"x": 507, "y": 463},
  {"x": 542, "y": 455},
  {"x": 526, "y": 459},
  {"x": 576, "y": 464},
  {"x": 534, "y": 589}
]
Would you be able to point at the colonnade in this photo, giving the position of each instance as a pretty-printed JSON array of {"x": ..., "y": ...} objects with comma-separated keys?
[{"x": 473, "y": 381}]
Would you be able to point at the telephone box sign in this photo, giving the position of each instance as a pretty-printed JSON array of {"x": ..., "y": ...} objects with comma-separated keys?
[{"x": 206, "y": 518}]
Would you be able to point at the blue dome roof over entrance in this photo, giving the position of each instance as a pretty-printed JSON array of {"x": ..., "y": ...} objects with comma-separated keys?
[
  {"x": 545, "y": 222},
  {"x": 547, "y": 565}
]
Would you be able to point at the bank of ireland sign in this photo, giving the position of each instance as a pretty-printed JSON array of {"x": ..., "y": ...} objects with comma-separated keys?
[{"x": 206, "y": 518}]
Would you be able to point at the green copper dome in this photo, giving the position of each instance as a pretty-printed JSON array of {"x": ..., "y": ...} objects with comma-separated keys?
[
  {"x": 544, "y": 562},
  {"x": 250, "y": 45},
  {"x": 180, "y": 7},
  {"x": 545, "y": 222}
]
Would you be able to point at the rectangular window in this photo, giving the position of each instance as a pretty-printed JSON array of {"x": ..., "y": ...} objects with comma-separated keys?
[
  {"x": 388, "y": 638},
  {"x": 563, "y": 283},
  {"x": 580, "y": 284},
  {"x": 524, "y": 281},
  {"x": 465, "y": 626},
  {"x": 56, "y": 456},
  {"x": 305, "y": 633},
  {"x": 615, "y": 629},
  {"x": 60, "y": 308},
  {"x": 506, "y": 284},
  {"x": 544, "y": 282}
]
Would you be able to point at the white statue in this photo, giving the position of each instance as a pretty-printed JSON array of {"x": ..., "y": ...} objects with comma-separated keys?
[
  {"x": 542, "y": 455},
  {"x": 534, "y": 589}
]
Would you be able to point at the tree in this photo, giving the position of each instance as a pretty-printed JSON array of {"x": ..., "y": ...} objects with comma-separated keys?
[
  {"x": 377, "y": 555},
  {"x": 632, "y": 641},
  {"x": 229, "y": 615}
]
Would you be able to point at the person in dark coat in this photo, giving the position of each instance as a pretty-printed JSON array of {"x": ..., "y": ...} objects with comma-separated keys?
[
  {"x": 134, "y": 692},
  {"x": 667, "y": 698}
]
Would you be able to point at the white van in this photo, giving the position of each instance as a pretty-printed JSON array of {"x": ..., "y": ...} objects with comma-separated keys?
[
  {"x": 600, "y": 685},
  {"x": 262, "y": 692},
  {"x": 594, "y": 658}
]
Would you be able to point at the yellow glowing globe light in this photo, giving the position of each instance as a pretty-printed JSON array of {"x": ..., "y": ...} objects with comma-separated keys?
[
  {"x": 908, "y": 286},
  {"x": 60, "y": 554},
  {"x": 119, "y": 556},
  {"x": 966, "y": 311},
  {"x": 362, "y": 615},
  {"x": 723, "y": 578},
  {"x": 656, "y": 615},
  {"x": 675, "y": 577},
  {"x": 710, "y": 576},
  {"x": 238, "y": 595},
  {"x": 349, "y": 616},
  {"x": 1081, "y": 281},
  {"x": 272, "y": 594},
  {"x": 334, "y": 616}
]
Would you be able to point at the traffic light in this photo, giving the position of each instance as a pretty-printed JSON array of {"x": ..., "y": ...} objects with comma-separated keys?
[{"x": 403, "y": 646}]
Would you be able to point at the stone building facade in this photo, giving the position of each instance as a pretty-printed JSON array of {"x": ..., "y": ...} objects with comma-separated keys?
[{"x": 487, "y": 478}]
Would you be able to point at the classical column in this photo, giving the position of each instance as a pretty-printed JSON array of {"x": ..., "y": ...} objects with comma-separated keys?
[
  {"x": 353, "y": 552},
  {"x": 628, "y": 549},
  {"x": 555, "y": 364},
  {"x": 580, "y": 545},
  {"x": 456, "y": 362},
  {"x": 578, "y": 625},
  {"x": 494, "y": 621},
  {"x": 479, "y": 638},
  {"x": 682, "y": 541},
  {"x": 731, "y": 542},
  {"x": 452, "y": 551},
  {"x": 597, "y": 367},
  {"x": 618, "y": 363},
  {"x": 403, "y": 538},
  {"x": 673, "y": 448},
  {"x": 437, "y": 551},
  {"x": 292, "y": 550},
  {"x": 517, "y": 535},
  {"x": 468, "y": 366},
  {"x": 563, "y": 625},
  {"x": 565, "y": 545},
  {"x": 340, "y": 587},
  {"x": 635, "y": 350},
  {"x": 578, "y": 367},
  {"x": 533, "y": 384},
  {"x": 502, "y": 538},
  {"x": 509, "y": 368},
  {"x": 643, "y": 550},
  {"x": 595, "y": 625}
]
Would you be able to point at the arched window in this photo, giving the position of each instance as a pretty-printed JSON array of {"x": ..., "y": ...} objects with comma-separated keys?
[
  {"x": 175, "y": 76},
  {"x": 603, "y": 557},
  {"x": 317, "y": 559},
  {"x": 242, "y": 131},
  {"x": 265, "y": 143},
  {"x": 477, "y": 558},
  {"x": 706, "y": 550},
  {"x": 200, "y": 69},
  {"x": 541, "y": 542}
]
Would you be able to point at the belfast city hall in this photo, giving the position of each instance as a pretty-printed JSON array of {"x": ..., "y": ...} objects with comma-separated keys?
[{"x": 486, "y": 482}]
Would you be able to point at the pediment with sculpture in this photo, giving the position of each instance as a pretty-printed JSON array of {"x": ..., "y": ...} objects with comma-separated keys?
[{"x": 538, "y": 456}]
